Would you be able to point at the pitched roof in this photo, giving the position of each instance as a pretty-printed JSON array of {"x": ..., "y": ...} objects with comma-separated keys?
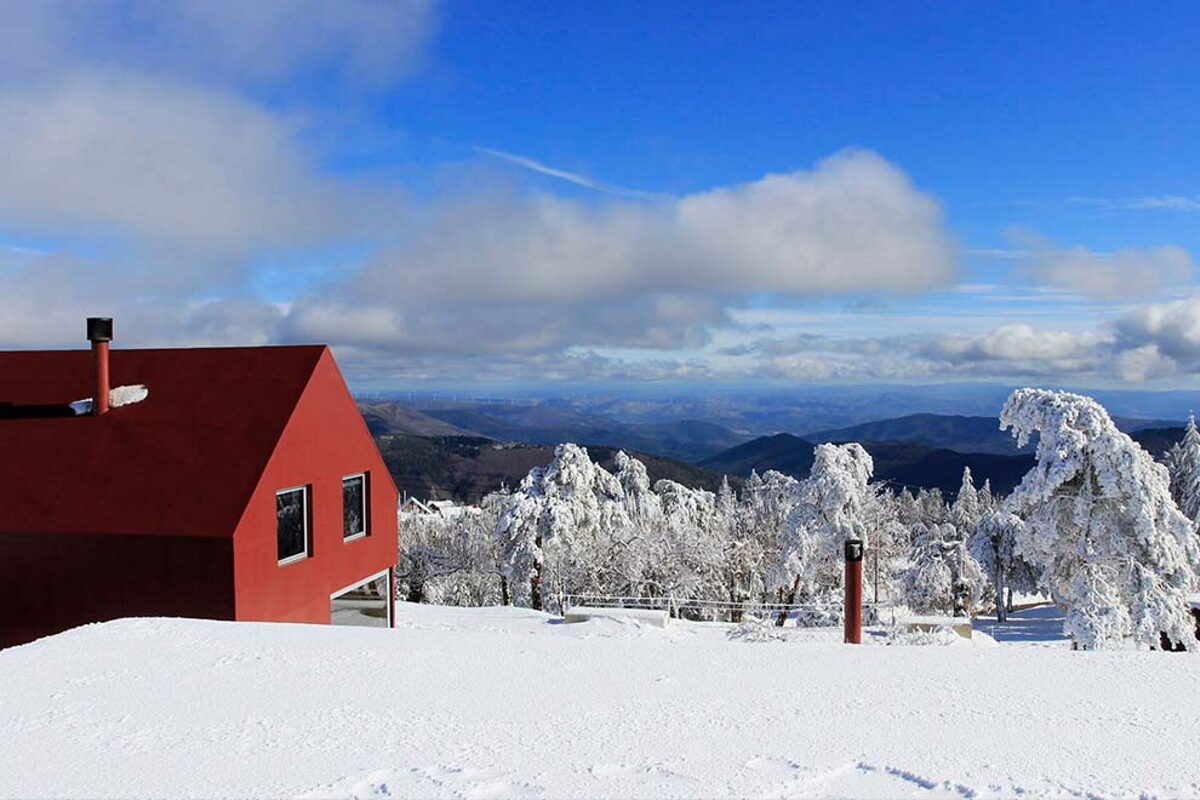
[{"x": 184, "y": 461}]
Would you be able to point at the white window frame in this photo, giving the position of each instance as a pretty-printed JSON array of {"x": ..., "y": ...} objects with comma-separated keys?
[
  {"x": 307, "y": 514},
  {"x": 366, "y": 509},
  {"x": 390, "y": 602}
]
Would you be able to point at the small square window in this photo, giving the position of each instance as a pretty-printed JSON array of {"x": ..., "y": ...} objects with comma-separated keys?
[
  {"x": 291, "y": 524},
  {"x": 354, "y": 506}
]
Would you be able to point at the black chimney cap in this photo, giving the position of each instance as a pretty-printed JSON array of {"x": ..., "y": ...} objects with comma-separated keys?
[
  {"x": 99, "y": 329},
  {"x": 854, "y": 550}
]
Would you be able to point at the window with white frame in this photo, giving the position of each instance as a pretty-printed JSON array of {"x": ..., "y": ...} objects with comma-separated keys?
[
  {"x": 367, "y": 603},
  {"x": 292, "y": 515},
  {"x": 354, "y": 506}
]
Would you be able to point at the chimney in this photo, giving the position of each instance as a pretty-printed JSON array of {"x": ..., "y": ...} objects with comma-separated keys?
[{"x": 100, "y": 333}]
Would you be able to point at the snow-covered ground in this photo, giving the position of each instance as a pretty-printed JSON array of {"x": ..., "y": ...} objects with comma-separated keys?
[{"x": 501, "y": 702}]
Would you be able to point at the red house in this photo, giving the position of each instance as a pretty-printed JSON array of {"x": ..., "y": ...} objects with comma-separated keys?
[{"x": 244, "y": 486}]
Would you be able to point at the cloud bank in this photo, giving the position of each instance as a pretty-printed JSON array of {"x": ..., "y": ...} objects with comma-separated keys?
[{"x": 535, "y": 272}]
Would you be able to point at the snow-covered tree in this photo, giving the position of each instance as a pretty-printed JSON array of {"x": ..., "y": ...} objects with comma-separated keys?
[
  {"x": 558, "y": 521},
  {"x": 890, "y": 542},
  {"x": 1101, "y": 527},
  {"x": 450, "y": 558},
  {"x": 943, "y": 577},
  {"x": 1183, "y": 463},
  {"x": 742, "y": 566},
  {"x": 932, "y": 507},
  {"x": 985, "y": 497},
  {"x": 830, "y": 510},
  {"x": 908, "y": 512},
  {"x": 927, "y": 584},
  {"x": 641, "y": 503},
  {"x": 993, "y": 544},
  {"x": 685, "y": 559},
  {"x": 966, "y": 511}
]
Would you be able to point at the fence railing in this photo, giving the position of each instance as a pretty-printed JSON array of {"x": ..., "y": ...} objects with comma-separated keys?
[{"x": 712, "y": 610}]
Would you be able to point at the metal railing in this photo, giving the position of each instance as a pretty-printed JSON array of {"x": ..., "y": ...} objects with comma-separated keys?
[{"x": 710, "y": 610}]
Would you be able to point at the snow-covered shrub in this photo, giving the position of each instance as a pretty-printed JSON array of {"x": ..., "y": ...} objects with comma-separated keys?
[
  {"x": 941, "y": 636},
  {"x": 756, "y": 630},
  {"x": 827, "y": 610},
  {"x": 942, "y": 576},
  {"x": 1101, "y": 526},
  {"x": 449, "y": 560}
]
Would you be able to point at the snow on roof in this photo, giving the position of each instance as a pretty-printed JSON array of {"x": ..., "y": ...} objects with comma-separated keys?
[
  {"x": 120, "y": 396},
  {"x": 189, "y": 708},
  {"x": 414, "y": 506}
]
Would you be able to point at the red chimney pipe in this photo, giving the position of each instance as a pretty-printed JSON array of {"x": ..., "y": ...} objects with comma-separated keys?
[
  {"x": 854, "y": 592},
  {"x": 100, "y": 333}
]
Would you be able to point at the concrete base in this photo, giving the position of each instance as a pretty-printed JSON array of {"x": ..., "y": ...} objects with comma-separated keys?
[
  {"x": 647, "y": 616},
  {"x": 928, "y": 624}
]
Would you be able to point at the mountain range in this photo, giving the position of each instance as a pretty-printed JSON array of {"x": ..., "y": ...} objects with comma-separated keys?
[
  {"x": 468, "y": 468},
  {"x": 897, "y": 464},
  {"x": 953, "y": 432},
  {"x": 685, "y": 439},
  {"x": 466, "y": 450},
  {"x": 906, "y": 464}
]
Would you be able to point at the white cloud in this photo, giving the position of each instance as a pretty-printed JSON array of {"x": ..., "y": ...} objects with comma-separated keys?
[
  {"x": 855, "y": 222},
  {"x": 116, "y": 155},
  {"x": 1129, "y": 272},
  {"x": 1022, "y": 344},
  {"x": 537, "y": 272},
  {"x": 246, "y": 42},
  {"x": 44, "y": 299},
  {"x": 1149, "y": 342}
]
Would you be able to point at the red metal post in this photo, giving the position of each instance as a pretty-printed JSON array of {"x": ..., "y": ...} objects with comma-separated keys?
[{"x": 854, "y": 592}]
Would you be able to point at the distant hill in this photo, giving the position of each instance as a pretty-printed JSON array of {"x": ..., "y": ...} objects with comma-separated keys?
[
  {"x": 953, "y": 432},
  {"x": 1157, "y": 441},
  {"x": 897, "y": 463},
  {"x": 467, "y": 468},
  {"x": 384, "y": 418},
  {"x": 918, "y": 466},
  {"x": 687, "y": 440},
  {"x": 783, "y": 452}
]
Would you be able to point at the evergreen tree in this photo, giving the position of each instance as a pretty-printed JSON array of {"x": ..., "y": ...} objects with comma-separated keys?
[{"x": 1183, "y": 463}]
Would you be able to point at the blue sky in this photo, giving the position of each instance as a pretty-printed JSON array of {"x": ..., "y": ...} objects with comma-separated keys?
[{"x": 474, "y": 193}]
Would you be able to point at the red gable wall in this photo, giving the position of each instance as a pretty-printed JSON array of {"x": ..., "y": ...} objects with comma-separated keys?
[{"x": 324, "y": 440}]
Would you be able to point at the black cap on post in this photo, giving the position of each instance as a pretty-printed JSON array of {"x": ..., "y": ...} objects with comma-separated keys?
[
  {"x": 854, "y": 550},
  {"x": 99, "y": 329}
]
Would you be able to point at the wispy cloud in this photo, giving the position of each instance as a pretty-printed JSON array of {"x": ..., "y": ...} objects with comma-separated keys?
[
  {"x": 570, "y": 177},
  {"x": 998, "y": 252},
  {"x": 1160, "y": 202}
]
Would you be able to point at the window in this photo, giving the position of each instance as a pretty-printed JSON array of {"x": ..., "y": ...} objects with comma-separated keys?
[
  {"x": 354, "y": 506},
  {"x": 367, "y": 603},
  {"x": 291, "y": 524}
]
